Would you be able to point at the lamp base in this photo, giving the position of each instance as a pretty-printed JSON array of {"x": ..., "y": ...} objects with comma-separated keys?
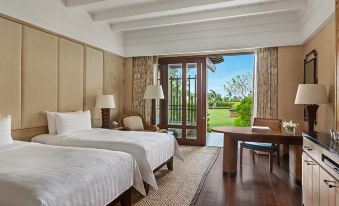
[
  {"x": 105, "y": 115},
  {"x": 311, "y": 114}
]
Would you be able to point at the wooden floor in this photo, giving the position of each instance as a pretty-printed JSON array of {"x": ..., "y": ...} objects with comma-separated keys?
[{"x": 253, "y": 186}]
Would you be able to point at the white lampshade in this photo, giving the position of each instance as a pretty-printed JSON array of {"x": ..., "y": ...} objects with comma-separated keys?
[
  {"x": 105, "y": 101},
  {"x": 154, "y": 92},
  {"x": 311, "y": 94}
]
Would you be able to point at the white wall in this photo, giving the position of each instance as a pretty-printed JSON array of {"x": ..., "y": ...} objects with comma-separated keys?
[{"x": 76, "y": 24}]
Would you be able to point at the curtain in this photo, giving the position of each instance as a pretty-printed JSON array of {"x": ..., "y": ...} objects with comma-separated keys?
[
  {"x": 266, "y": 83},
  {"x": 143, "y": 75}
]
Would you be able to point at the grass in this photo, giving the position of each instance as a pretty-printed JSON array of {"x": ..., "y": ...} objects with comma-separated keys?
[{"x": 219, "y": 117}]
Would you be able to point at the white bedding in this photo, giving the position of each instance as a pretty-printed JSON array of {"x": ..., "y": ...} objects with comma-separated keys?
[
  {"x": 150, "y": 149},
  {"x": 33, "y": 174}
]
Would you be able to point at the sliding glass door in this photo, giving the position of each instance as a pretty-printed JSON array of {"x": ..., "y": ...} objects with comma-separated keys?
[{"x": 183, "y": 111}]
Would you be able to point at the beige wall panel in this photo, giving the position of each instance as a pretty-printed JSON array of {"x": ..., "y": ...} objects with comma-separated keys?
[
  {"x": 39, "y": 76},
  {"x": 71, "y": 78},
  {"x": 290, "y": 75},
  {"x": 94, "y": 65},
  {"x": 114, "y": 82},
  {"x": 10, "y": 71},
  {"x": 325, "y": 44},
  {"x": 128, "y": 84}
]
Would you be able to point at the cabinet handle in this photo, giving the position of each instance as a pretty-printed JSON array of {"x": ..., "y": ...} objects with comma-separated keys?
[
  {"x": 307, "y": 148},
  {"x": 327, "y": 182},
  {"x": 309, "y": 162}
]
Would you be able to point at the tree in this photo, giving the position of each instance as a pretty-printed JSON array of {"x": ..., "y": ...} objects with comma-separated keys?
[
  {"x": 244, "y": 109},
  {"x": 239, "y": 86},
  {"x": 214, "y": 97}
]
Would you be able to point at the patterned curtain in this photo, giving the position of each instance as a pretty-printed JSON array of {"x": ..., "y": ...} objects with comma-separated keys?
[
  {"x": 143, "y": 75},
  {"x": 266, "y": 83}
]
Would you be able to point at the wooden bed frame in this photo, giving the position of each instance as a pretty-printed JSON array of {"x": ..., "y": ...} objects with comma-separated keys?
[
  {"x": 125, "y": 199},
  {"x": 169, "y": 164}
]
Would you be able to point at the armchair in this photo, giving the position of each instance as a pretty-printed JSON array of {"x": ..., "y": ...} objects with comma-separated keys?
[{"x": 125, "y": 121}]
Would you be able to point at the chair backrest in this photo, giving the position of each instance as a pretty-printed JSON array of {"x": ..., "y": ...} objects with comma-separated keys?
[
  {"x": 274, "y": 124},
  {"x": 121, "y": 119}
]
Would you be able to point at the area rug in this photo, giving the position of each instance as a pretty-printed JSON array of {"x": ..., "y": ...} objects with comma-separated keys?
[{"x": 182, "y": 186}]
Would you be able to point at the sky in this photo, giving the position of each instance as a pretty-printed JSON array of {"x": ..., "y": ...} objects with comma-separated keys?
[{"x": 232, "y": 66}]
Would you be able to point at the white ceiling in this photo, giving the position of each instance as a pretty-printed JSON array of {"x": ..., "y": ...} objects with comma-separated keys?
[{"x": 160, "y": 27}]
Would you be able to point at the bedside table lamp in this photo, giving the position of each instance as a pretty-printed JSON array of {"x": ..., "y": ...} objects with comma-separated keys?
[
  {"x": 154, "y": 92},
  {"x": 105, "y": 103},
  {"x": 311, "y": 95}
]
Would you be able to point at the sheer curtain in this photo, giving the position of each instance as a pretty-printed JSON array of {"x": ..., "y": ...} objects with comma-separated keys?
[
  {"x": 143, "y": 75},
  {"x": 265, "y": 102}
]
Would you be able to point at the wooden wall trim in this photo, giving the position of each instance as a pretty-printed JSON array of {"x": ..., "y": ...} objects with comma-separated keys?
[{"x": 28, "y": 134}]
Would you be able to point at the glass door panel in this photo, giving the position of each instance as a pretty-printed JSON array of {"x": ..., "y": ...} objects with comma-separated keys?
[
  {"x": 174, "y": 94},
  {"x": 183, "y": 102},
  {"x": 191, "y": 94}
]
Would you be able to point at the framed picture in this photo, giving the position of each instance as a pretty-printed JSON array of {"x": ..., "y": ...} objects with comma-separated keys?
[{"x": 310, "y": 72}]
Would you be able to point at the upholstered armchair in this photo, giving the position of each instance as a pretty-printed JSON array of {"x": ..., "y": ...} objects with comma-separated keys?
[{"x": 135, "y": 122}]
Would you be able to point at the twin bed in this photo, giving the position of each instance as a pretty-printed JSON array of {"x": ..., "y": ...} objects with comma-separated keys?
[
  {"x": 32, "y": 174},
  {"x": 150, "y": 150},
  {"x": 82, "y": 166}
]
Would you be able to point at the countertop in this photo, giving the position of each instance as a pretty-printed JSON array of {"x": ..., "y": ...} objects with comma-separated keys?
[{"x": 324, "y": 140}]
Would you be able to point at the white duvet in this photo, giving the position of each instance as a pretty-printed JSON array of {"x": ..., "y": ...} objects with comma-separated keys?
[
  {"x": 37, "y": 175},
  {"x": 150, "y": 149}
]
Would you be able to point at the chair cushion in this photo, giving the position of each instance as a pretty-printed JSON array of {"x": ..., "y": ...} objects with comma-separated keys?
[
  {"x": 133, "y": 123},
  {"x": 257, "y": 145}
]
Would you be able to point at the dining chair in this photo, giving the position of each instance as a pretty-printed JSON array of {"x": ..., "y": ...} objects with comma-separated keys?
[{"x": 271, "y": 149}]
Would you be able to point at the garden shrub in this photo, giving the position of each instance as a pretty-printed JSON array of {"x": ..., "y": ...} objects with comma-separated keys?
[
  {"x": 244, "y": 110},
  {"x": 227, "y": 105}
]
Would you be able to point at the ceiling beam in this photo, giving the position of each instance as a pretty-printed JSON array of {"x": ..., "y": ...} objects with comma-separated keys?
[
  {"x": 74, "y": 3},
  {"x": 152, "y": 9},
  {"x": 257, "y": 9}
]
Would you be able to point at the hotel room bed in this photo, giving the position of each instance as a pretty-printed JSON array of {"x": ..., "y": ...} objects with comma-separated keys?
[
  {"x": 34, "y": 174},
  {"x": 150, "y": 149}
]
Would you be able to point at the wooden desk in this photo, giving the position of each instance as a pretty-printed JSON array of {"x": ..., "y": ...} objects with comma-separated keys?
[{"x": 234, "y": 134}]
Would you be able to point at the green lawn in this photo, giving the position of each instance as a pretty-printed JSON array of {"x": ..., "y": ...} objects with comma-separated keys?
[{"x": 219, "y": 117}]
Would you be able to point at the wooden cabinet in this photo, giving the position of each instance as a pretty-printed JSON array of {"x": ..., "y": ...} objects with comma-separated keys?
[
  {"x": 328, "y": 189},
  {"x": 319, "y": 187},
  {"x": 310, "y": 182}
]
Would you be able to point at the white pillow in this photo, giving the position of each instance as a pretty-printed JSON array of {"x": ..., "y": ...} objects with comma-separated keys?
[
  {"x": 52, "y": 129},
  {"x": 51, "y": 122},
  {"x": 5, "y": 130},
  {"x": 67, "y": 123},
  {"x": 134, "y": 123}
]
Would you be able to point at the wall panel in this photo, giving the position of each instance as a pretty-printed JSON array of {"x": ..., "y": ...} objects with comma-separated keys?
[
  {"x": 70, "y": 73},
  {"x": 93, "y": 84},
  {"x": 114, "y": 82},
  {"x": 10, "y": 70},
  {"x": 39, "y": 76}
]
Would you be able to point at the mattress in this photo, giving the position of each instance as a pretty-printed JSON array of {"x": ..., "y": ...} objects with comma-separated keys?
[
  {"x": 36, "y": 174},
  {"x": 150, "y": 149}
]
